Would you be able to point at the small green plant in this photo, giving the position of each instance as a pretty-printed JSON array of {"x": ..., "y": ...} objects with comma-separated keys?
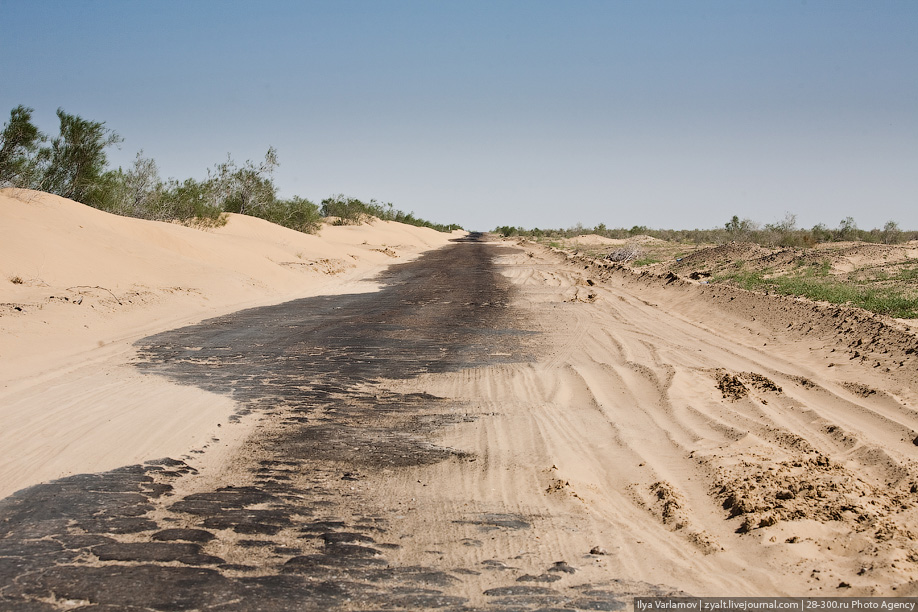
[
  {"x": 819, "y": 268},
  {"x": 749, "y": 280},
  {"x": 645, "y": 261},
  {"x": 886, "y": 301},
  {"x": 881, "y": 275}
]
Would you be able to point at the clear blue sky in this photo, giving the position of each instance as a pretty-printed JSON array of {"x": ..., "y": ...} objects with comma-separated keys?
[{"x": 673, "y": 114}]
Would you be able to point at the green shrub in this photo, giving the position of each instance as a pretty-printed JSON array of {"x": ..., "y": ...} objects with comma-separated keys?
[
  {"x": 19, "y": 147},
  {"x": 296, "y": 213}
]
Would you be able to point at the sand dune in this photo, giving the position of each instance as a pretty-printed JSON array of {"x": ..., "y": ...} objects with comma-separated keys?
[{"x": 78, "y": 286}]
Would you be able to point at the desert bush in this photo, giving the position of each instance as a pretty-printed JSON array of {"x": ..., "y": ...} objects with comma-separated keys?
[
  {"x": 348, "y": 211},
  {"x": 19, "y": 147},
  {"x": 143, "y": 189},
  {"x": 781, "y": 233},
  {"x": 352, "y": 211},
  {"x": 296, "y": 213},
  {"x": 245, "y": 190},
  {"x": 74, "y": 165},
  {"x": 136, "y": 192},
  {"x": 847, "y": 229},
  {"x": 891, "y": 233},
  {"x": 189, "y": 200},
  {"x": 740, "y": 231},
  {"x": 506, "y": 231}
]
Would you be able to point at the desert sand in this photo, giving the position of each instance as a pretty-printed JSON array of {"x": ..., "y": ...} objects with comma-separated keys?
[
  {"x": 665, "y": 431},
  {"x": 706, "y": 438},
  {"x": 78, "y": 286}
]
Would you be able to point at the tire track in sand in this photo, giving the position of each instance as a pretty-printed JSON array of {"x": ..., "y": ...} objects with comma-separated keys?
[{"x": 803, "y": 471}]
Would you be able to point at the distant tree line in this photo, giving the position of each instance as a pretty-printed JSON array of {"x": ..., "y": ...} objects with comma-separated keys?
[
  {"x": 783, "y": 233},
  {"x": 74, "y": 165},
  {"x": 351, "y": 211}
]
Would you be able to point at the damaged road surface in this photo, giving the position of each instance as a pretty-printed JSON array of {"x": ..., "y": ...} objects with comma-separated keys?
[{"x": 299, "y": 517}]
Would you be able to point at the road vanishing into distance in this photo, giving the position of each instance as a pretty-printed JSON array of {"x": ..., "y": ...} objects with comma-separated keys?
[{"x": 300, "y": 516}]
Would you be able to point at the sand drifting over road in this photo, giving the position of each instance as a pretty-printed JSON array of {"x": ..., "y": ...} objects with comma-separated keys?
[
  {"x": 716, "y": 441},
  {"x": 653, "y": 431},
  {"x": 78, "y": 286}
]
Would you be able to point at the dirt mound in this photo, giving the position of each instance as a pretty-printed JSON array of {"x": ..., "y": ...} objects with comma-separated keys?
[
  {"x": 810, "y": 487},
  {"x": 596, "y": 240},
  {"x": 647, "y": 240},
  {"x": 854, "y": 261},
  {"x": 736, "y": 386},
  {"x": 836, "y": 258},
  {"x": 720, "y": 256},
  {"x": 847, "y": 257}
]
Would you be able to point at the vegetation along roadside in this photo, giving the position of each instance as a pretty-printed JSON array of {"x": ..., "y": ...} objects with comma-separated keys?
[{"x": 74, "y": 165}]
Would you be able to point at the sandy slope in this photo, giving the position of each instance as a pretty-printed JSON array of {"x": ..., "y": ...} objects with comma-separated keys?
[
  {"x": 705, "y": 439},
  {"x": 78, "y": 286}
]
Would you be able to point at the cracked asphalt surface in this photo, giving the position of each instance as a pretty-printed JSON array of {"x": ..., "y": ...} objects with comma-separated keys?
[{"x": 285, "y": 529}]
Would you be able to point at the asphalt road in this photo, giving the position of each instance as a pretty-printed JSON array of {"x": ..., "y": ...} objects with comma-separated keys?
[{"x": 281, "y": 526}]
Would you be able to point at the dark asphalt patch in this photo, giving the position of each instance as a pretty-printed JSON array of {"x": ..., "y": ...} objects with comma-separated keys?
[{"x": 292, "y": 530}]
